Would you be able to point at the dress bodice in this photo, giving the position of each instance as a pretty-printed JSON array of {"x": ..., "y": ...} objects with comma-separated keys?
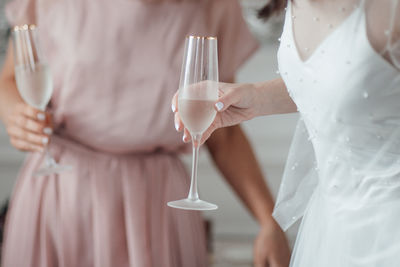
[{"x": 348, "y": 97}]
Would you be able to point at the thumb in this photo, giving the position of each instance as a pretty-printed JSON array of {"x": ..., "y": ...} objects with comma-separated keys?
[
  {"x": 174, "y": 102},
  {"x": 229, "y": 98}
]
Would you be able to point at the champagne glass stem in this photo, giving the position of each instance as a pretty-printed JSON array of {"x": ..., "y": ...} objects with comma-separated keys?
[
  {"x": 50, "y": 165},
  {"x": 193, "y": 192}
]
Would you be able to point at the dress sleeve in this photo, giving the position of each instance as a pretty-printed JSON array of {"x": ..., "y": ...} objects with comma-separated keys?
[
  {"x": 235, "y": 41},
  {"x": 20, "y": 12}
]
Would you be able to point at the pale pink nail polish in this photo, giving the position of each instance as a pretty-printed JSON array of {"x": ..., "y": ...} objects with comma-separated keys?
[
  {"x": 45, "y": 140},
  {"x": 48, "y": 131},
  {"x": 219, "y": 106},
  {"x": 41, "y": 116}
]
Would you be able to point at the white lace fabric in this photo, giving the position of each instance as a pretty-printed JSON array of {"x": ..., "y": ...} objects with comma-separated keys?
[{"x": 340, "y": 62}]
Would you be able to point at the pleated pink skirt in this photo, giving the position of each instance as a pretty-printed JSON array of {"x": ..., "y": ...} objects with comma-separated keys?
[{"x": 109, "y": 211}]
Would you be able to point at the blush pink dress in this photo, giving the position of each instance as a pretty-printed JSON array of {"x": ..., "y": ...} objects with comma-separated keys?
[{"x": 115, "y": 66}]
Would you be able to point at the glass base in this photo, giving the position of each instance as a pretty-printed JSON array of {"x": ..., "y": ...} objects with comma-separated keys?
[
  {"x": 52, "y": 169},
  {"x": 188, "y": 204}
]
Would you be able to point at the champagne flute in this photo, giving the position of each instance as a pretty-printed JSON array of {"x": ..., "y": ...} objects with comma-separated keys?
[
  {"x": 34, "y": 81},
  {"x": 198, "y": 91}
]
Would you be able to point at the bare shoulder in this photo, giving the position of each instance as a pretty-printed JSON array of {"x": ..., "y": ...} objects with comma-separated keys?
[
  {"x": 396, "y": 20},
  {"x": 383, "y": 22}
]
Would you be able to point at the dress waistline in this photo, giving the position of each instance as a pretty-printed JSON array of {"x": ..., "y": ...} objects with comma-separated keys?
[{"x": 59, "y": 144}]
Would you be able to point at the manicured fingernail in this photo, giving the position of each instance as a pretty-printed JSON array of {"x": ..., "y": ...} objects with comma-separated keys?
[
  {"x": 177, "y": 127},
  {"x": 219, "y": 106},
  {"x": 41, "y": 116},
  {"x": 173, "y": 108},
  {"x": 48, "y": 131},
  {"x": 45, "y": 140},
  {"x": 184, "y": 138}
]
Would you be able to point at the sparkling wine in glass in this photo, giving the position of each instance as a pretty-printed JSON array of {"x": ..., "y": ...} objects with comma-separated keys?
[
  {"x": 198, "y": 92},
  {"x": 34, "y": 81}
]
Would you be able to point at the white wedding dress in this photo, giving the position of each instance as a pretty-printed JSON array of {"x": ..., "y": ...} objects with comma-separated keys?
[{"x": 339, "y": 60}]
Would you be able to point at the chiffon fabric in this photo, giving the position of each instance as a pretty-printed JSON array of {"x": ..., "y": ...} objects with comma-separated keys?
[
  {"x": 115, "y": 66},
  {"x": 343, "y": 170}
]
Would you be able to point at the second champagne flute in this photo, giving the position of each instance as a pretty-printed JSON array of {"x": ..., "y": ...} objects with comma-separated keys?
[
  {"x": 34, "y": 81},
  {"x": 198, "y": 91}
]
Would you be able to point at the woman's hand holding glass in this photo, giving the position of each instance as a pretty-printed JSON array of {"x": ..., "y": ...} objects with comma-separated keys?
[
  {"x": 240, "y": 102},
  {"x": 236, "y": 103},
  {"x": 35, "y": 86},
  {"x": 29, "y": 128}
]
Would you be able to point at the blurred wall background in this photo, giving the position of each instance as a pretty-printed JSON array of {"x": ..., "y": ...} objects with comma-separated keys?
[
  {"x": 270, "y": 137},
  {"x": 10, "y": 160}
]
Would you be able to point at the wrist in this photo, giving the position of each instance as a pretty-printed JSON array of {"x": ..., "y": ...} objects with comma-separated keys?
[
  {"x": 9, "y": 100},
  {"x": 256, "y": 103},
  {"x": 267, "y": 221},
  {"x": 260, "y": 98},
  {"x": 8, "y": 109}
]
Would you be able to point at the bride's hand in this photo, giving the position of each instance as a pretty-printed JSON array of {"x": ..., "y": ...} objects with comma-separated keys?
[{"x": 236, "y": 103}]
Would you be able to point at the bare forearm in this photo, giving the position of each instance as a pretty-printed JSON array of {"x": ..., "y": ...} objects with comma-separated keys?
[
  {"x": 232, "y": 153},
  {"x": 273, "y": 98},
  {"x": 9, "y": 97}
]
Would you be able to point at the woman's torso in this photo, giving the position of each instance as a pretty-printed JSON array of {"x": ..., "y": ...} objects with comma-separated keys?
[
  {"x": 348, "y": 96},
  {"x": 116, "y": 66}
]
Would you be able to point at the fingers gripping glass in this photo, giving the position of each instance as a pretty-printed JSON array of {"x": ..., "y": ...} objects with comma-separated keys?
[
  {"x": 34, "y": 81},
  {"x": 198, "y": 92}
]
